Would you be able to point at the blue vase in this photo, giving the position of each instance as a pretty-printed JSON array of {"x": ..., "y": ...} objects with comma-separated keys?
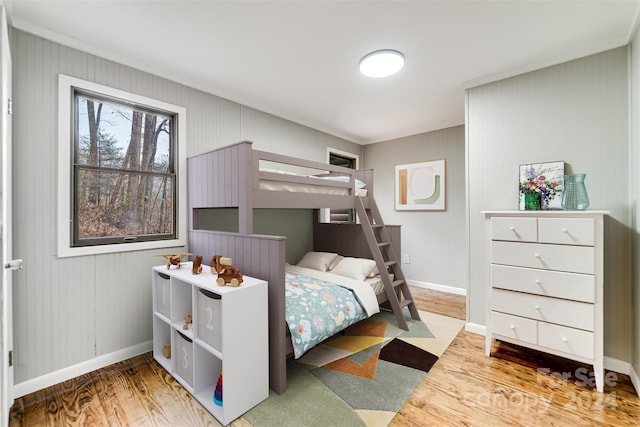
[{"x": 574, "y": 195}]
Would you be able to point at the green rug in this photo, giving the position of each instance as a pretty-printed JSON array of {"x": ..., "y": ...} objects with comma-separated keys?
[{"x": 359, "y": 378}]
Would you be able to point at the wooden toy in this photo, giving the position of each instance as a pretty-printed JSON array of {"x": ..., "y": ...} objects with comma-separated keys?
[
  {"x": 173, "y": 259},
  {"x": 226, "y": 272},
  {"x": 196, "y": 268},
  {"x": 166, "y": 350},
  {"x": 218, "y": 262},
  {"x": 187, "y": 321}
]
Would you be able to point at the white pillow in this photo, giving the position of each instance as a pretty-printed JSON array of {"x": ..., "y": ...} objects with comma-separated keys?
[
  {"x": 335, "y": 262},
  {"x": 374, "y": 272},
  {"x": 355, "y": 268},
  {"x": 317, "y": 260}
]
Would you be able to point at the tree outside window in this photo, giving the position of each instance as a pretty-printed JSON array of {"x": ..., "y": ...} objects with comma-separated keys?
[{"x": 124, "y": 172}]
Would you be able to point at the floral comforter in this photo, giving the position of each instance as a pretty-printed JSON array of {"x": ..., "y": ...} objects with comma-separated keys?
[{"x": 316, "y": 308}]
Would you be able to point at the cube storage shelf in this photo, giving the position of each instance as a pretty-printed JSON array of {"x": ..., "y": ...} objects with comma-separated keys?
[{"x": 228, "y": 336}]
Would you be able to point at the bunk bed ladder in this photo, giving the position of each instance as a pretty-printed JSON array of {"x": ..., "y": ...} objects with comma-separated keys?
[{"x": 386, "y": 259}]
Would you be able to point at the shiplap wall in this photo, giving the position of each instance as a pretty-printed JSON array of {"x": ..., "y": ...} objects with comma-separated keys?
[
  {"x": 576, "y": 112},
  {"x": 434, "y": 240},
  {"x": 77, "y": 311},
  {"x": 635, "y": 192}
]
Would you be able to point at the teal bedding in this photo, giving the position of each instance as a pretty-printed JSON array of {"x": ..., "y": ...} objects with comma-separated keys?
[{"x": 316, "y": 309}]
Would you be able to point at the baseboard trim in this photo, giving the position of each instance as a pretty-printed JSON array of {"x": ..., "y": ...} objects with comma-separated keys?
[
  {"x": 617, "y": 365},
  {"x": 475, "y": 328},
  {"x": 55, "y": 377},
  {"x": 437, "y": 287},
  {"x": 622, "y": 367},
  {"x": 635, "y": 380}
]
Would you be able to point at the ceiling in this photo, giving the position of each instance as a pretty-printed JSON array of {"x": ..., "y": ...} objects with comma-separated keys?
[{"x": 299, "y": 59}]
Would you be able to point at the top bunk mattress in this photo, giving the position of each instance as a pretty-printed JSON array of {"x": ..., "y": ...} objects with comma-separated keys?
[
  {"x": 307, "y": 188},
  {"x": 322, "y": 187}
]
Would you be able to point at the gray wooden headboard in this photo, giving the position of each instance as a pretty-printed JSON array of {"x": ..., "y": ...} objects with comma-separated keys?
[{"x": 348, "y": 239}]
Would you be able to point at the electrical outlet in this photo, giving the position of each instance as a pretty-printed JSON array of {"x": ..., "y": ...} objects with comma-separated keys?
[{"x": 407, "y": 259}]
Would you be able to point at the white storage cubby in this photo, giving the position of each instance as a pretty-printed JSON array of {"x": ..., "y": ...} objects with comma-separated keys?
[
  {"x": 183, "y": 355},
  {"x": 209, "y": 318},
  {"x": 228, "y": 335},
  {"x": 162, "y": 296},
  {"x": 161, "y": 337}
]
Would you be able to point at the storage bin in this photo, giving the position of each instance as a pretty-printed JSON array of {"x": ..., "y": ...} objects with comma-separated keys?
[
  {"x": 162, "y": 295},
  {"x": 210, "y": 318},
  {"x": 184, "y": 358}
]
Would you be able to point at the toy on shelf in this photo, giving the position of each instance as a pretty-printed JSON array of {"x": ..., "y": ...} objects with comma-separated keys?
[
  {"x": 173, "y": 259},
  {"x": 217, "y": 394},
  {"x": 227, "y": 273},
  {"x": 187, "y": 321},
  {"x": 196, "y": 267},
  {"x": 218, "y": 262},
  {"x": 166, "y": 350}
]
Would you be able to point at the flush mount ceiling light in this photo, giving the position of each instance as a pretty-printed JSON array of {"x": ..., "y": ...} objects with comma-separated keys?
[{"x": 381, "y": 63}]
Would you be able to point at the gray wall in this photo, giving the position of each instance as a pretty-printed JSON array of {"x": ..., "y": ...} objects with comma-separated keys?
[
  {"x": 435, "y": 240},
  {"x": 576, "y": 112},
  {"x": 72, "y": 311},
  {"x": 635, "y": 192}
]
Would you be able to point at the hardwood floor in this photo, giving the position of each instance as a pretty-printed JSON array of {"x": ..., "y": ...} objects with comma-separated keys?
[
  {"x": 464, "y": 388},
  {"x": 514, "y": 387}
]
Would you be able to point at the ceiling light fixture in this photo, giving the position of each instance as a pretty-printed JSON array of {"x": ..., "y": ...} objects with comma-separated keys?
[{"x": 382, "y": 63}]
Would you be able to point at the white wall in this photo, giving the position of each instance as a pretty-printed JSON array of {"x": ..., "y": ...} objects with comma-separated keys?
[
  {"x": 434, "y": 239},
  {"x": 576, "y": 112},
  {"x": 72, "y": 313}
]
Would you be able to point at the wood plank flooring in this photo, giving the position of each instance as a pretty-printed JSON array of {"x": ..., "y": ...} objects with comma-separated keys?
[{"x": 464, "y": 388}]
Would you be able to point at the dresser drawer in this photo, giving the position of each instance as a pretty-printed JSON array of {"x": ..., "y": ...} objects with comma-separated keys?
[
  {"x": 568, "y": 340},
  {"x": 553, "y": 310},
  {"x": 576, "y": 259},
  {"x": 567, "y": 231},
  {"x": 514, "y": 229},
  {"x": 573, "y": 286},
  {"x": 515, "y": 327}
]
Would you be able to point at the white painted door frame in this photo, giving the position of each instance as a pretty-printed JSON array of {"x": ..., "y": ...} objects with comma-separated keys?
[{"x": 8, "y": 263}]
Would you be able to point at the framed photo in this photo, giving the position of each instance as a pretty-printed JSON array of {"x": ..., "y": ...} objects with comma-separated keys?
[
  {"x": 541, "y": 186},
  {"x": 420, "y": 186}
]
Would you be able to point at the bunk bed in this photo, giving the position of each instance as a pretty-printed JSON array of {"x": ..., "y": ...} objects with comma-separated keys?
[{"x": 240, "y": 177}]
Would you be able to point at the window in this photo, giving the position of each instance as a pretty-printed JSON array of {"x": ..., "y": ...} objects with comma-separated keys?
[
  {"x": 348, "y": 160},
  {"x": 122, "y": 167}
]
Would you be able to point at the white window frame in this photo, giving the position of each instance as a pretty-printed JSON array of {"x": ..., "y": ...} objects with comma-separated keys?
[{"x": 66, "y": 84}]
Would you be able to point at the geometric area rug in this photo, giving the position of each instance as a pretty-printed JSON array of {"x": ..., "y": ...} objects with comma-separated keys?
[{"x": 360, "y": 377}]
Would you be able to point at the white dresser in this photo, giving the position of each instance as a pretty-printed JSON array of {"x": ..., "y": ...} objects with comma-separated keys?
[{"x": 546, "y": 276}]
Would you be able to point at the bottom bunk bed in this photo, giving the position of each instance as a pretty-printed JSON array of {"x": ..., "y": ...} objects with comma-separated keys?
[
  {"x": 326, "y": 293},
  {"x": 340, "y": 255}
]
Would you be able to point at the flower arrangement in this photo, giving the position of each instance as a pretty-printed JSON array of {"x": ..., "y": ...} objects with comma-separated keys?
[{"x": 538, "y": 186}]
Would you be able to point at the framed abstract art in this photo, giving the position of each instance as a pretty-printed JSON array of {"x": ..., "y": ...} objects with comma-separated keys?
[{"x": 420, "y": 186}]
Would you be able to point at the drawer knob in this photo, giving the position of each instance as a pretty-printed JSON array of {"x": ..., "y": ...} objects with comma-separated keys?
[
  {"x": 512, "y": 326},
  {"x": 512, "y": 228},
  {"x": 565, "y": 231},
  {"x": 564, "y": 339},
  {"x": 537, "y": 307},
  {"x": 536, "y": 255},
  {"x": 537, "y": 281}
]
